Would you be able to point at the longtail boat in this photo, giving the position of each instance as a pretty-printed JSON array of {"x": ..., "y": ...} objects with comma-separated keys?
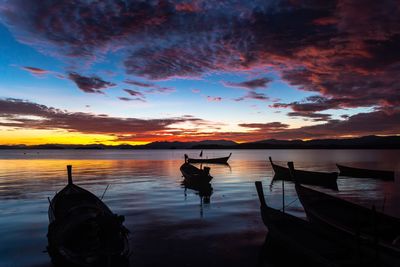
[
  {"x": 83, "y": 231},
  {"x": 304, "y": 242},
  {"x": 365, "y": 173},
  {"x": 221, "y": 160},
  {"x": 377, "y": 232},
  {"x": 194, "y": 174}
]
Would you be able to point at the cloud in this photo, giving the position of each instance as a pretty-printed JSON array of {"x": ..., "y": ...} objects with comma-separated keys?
[
  {"x": 135, "y": 93},
  {"x": 270, "y": 126},
  {"x": 92, "y": 84},
  {"x": 341, "y": 50},
  {"x": 137, "y": 83},
  {"x": 314, "y": 116},
  {"x": 14, "y": 112},
  {"x": 35, "y": 71},
  {"x": 152, "y": 88},
  {"x": 250, "y": 85},
  {"x": 214, "y": 98},
  {"x": 254, "y": 96},
  {"x": 378, "y": 122},
  {"x": 131, "y": 99},
  {"x": 160, "y": 90}
]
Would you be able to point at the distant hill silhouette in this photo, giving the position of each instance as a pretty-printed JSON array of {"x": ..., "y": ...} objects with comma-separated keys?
[
  {"x": 188, "y": 145},
  {"x": 365, "y": 142}
]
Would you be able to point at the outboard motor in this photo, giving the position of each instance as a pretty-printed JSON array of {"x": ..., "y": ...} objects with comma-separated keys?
[{"x": 207, "y": 170}]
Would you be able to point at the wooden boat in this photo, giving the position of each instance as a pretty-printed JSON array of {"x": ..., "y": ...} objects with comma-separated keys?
[
  {"x": 325, "y": 179},
  {"x": 222, "y": 160},
  {"x": 306, "y": 243},
  {"x": 377, "y": 233},
  {"x": 83, "y": 231},
  {"x": 194, "y": 174},
  {"x": 365, "y": 173}
]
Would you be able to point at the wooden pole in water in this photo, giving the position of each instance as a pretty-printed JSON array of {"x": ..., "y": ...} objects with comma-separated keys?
[{"x": 69, "y": 170}]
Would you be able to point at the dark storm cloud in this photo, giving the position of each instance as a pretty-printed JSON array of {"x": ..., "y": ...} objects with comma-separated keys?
[
  {"x": 92, "y": 84},
  {"x": 347, "y": 51},
  {"x": 252, "y": 84}
]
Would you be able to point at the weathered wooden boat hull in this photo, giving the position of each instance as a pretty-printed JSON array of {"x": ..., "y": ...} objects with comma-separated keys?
[
  {"x": 365, "y": 173},
  {"x": 325, "y": 179},
  {"x": 295, "y": 235},
  {"x": 375, "y": 232},
  {"x": 83, "y": 231},
  {"x": 194, "y": 174},
  {"x": 222, "y": 160}
]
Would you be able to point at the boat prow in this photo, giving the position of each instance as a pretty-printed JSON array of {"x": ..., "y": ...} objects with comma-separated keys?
[{"x": 324, "y": 179}]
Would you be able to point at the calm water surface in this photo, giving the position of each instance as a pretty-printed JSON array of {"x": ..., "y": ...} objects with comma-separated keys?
[{"x": 169, "y": 224}]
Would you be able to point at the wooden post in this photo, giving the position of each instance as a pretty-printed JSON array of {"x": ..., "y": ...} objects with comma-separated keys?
[
  {"x": 283, "y": 195},
  {"x": 69, "y": 169}
]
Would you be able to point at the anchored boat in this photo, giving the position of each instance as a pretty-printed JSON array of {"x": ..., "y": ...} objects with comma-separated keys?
[{"x": 83, "y": 231}]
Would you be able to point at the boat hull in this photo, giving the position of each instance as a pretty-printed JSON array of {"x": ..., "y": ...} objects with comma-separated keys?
[
  {"x": 365, "y": 173},
  {"x": 222, "y": 160},
  {"x": 84, "y": 232},
  {"x": 299, "y": 237},
  {"x": 375, "y": 232},
  {"x": 195, "y": 175}
]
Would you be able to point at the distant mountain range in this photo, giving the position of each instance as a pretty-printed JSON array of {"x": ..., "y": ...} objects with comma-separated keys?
[{"x": 365, "y": 142}]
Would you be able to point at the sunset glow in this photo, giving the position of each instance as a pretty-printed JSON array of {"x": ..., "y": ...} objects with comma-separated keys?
[{"x": 135, "y": 72}]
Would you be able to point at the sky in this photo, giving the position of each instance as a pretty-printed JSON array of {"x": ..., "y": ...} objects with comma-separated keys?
[{"x": 114, "y": 72}]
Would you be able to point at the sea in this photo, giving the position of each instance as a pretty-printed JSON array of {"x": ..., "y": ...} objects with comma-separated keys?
[{"x": 171, "y": 225}]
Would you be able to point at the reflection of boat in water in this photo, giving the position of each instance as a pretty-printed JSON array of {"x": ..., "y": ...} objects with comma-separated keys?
[
  {"x": 379, "y": 233},
  {"x": 195, "y": 174},
  {"x": 325, "y": 179},
  {"x": 204, "y": 189},
  {"x": 83, "y": 231},
  {"x": 221, "y": 160},
  {"x": 307, "y": 245},
  {"x": 365, "y": 173}
]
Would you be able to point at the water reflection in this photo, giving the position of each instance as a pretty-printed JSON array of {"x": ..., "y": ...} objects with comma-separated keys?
[
  {"x": 203, "y": 189},
  {"x": 145, "y": 186}
]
